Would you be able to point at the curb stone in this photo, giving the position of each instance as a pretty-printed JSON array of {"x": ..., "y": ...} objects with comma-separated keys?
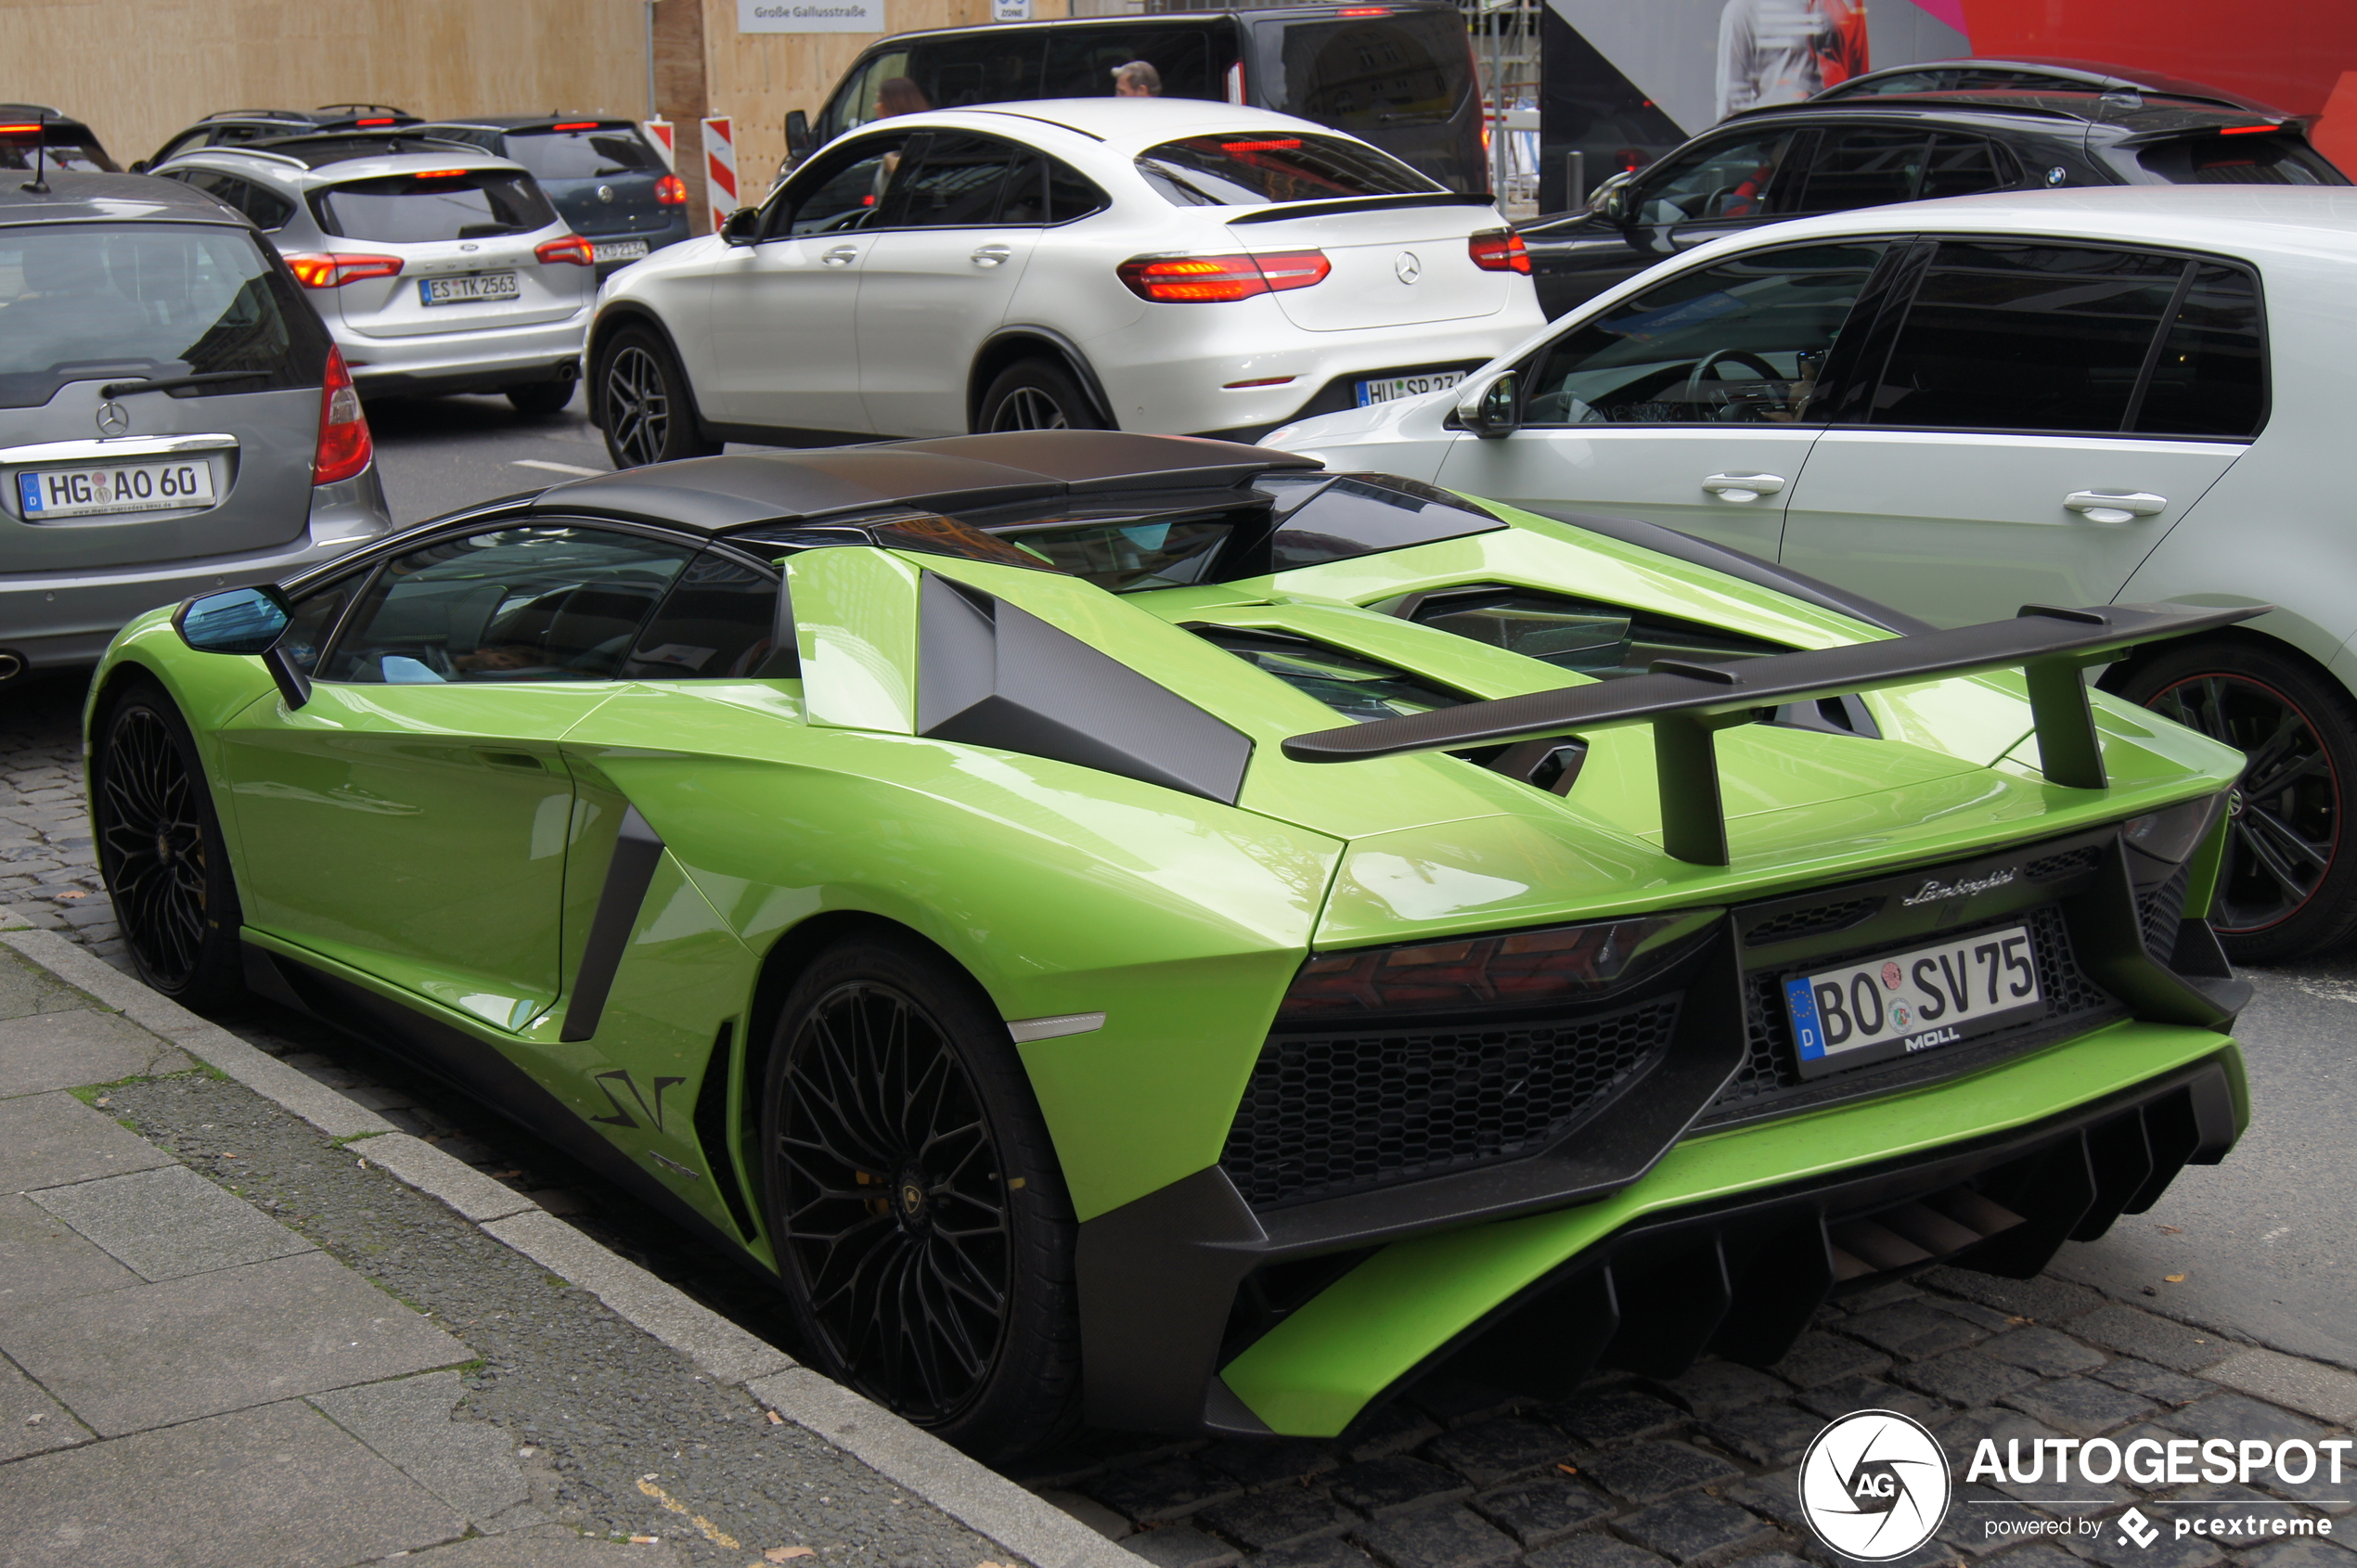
[{"x": 1025, "y": 1524}]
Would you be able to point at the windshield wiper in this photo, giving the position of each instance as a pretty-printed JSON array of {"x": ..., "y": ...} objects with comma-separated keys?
[{"x": 173, "y": 384}]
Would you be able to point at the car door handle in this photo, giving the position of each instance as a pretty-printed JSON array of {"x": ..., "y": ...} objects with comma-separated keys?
[
  {"x": 1742, "y": 487},
  {"x": 2114, "y": 505},
  {"x": 841, "y": 256},
  {"x": 990, "y": 255}
]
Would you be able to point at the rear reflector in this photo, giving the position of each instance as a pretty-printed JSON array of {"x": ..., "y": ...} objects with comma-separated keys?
[
  {"x": 1218, "y": 279},
  {"x": 345, "y": 447},
  {"x": 335, "y": 269},
  {"x": 1264, "y": 381},
  {"x": 571, "y": 248},
  {"x": 1496, "y": 251},
  {"x": 671, "y": 191}
]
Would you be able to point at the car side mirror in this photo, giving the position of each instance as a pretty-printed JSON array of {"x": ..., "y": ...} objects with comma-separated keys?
[
  {"x": 1611, "y": 199},
  {"x": 741, "y": 226},
  {"x": 1490, "y": 406},
  {"x": 245, "y": 621},
  {"x": 797, "y": 136},
  {"x": 138, "y": 166}
]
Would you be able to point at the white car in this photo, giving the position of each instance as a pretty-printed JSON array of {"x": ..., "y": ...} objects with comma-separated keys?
[
  {"x": 1958, "y": 407},
  {"x": 1152, "y": 264}
]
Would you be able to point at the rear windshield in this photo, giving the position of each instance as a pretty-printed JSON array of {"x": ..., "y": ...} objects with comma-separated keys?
[
  {"x": 81, "y": 300},
  {"x": 583, "y": 155},
  {"x": 2239, "y": 161},
  {"x": 70, "y": 148},
  {"x": 467, "y": 204},
  {"x": 1367, "y": 75},
  {"x": 1256, "y": 169}
]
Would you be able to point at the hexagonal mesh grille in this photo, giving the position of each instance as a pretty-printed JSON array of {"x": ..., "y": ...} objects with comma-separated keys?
[
  {"x": 1328, "y": 1115},
  {"x": 1815, "y": 921},
  {"x": 2159, "y": 909},
  {"x": 1771, "y": 1067}
]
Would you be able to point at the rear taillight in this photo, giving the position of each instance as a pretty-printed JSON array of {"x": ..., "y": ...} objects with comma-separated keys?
[
  {"x": 1236, "y": 82},
  {"x": 1216, "y": 279},
  {"x": 1496, "y": 251},
  {"x": 345, "y": 447},
  {"x": 671, "y": 191},
  {"x": 1520, "y": 969},
  {"x": 334, "y": 269},
  {"x": 571, "y": 248}
]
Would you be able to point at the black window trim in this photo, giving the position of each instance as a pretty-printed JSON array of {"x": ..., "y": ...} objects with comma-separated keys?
[
  {"x": 912, "y": 152},
  {"x": 1891, "y": 316}
]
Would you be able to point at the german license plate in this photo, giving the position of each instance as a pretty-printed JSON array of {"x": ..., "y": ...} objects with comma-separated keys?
[
  {"x": 117, "y": 487},
  {"x": 467, "y": 288},
  {"x": 1391, "y": 387},
  {"x": 1915, "y": 1001},
  {"x": 620, "y": 250}
]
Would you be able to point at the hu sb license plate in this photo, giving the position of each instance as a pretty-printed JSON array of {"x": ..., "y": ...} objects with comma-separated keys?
[
  {"x": 1391, "y": 388},
  {"x": 1913, "y": 1001}
]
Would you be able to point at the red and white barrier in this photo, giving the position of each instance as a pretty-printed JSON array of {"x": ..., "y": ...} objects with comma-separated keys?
[
  {"x": 720, "y": 168},
  {"x": 660, "y": 132}
]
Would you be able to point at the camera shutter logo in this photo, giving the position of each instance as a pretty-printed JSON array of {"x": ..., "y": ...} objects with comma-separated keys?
[{"x": 1874, "y": 1486}]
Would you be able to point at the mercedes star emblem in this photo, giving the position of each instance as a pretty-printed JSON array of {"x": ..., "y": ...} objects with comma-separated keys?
[
  {"x": 1406, "y": 267},
  {"x": 113, "y": 418},
  {"x": 605, "y": 193}
]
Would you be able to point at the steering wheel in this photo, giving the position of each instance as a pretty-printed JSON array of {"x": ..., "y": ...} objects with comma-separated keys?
[{"x": 1711, "y": 361}]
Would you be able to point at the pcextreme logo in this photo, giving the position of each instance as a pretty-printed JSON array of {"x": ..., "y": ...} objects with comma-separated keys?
[{"x": 1874, "y": 1486}]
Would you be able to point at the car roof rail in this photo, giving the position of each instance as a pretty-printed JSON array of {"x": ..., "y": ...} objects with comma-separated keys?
[
  {"x": 293, "y": 116},
  {"x": 319, "y": 148},
  {"x": 361, "y": 108},
  {"x": 239, "y": 152}
]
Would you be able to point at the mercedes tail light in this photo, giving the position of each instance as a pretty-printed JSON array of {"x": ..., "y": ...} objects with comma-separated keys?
[
  {"x": 1216, "y": 279},
  {"x": 345, "y": 447},
  {"x": 334, "y": 269},
  {"x": 671, "y": 191},
  {"x": 1509, "y": 970},
  {"x": 1499, "y": 249},
  {"x": 571, "y": 248}
]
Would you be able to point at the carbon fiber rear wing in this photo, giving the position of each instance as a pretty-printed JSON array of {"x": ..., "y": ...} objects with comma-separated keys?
[{"x": 1687, "y": 703}]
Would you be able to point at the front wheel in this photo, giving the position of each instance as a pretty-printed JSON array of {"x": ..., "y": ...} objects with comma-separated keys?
[
  {"x": 2284, "y": 887},
  {"x": 161, "y": 849},
  {"x": 920, "y": 1222},
  {"x": 1033, "y": 394},
  {"x": 642, "y": 403}
]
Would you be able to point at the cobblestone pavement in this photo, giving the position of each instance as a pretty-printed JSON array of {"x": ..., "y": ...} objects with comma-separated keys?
[{"x": 1695, "y": 1472}]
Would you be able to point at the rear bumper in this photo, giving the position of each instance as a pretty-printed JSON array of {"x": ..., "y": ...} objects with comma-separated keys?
[
  {"x": 484, "y": 361},
  {"x": 63, "y": 620}
]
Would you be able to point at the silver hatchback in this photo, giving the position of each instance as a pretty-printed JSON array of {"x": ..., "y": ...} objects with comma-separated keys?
[
  {"x": 438, "y": 267},
  {"x": 173, "y": 415}
]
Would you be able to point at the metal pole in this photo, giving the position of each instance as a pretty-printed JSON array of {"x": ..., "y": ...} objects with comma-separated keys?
[
  {"x": 654, "y": 111},
  {"x": 1576, "y": 180}
]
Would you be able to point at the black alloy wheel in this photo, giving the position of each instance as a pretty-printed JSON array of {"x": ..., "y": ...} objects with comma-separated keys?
[
  {"x": 1033, "y": 394},
  {"x": 2284, "y": 886},
  {"x": 160, "y": 850},
  {"x": 642, "y": 403},
  {"x": 920, "y": 1223}
]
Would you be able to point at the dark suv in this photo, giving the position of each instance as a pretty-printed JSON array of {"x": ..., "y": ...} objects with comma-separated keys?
[
  {"x": 34, "y": 135},
  {"x": 602, "y": 175},
  {"x": 243, "y": 127},
  {"x": 1792, "y": 160}
]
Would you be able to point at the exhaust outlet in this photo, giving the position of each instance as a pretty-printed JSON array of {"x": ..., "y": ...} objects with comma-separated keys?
[{"x": 11, "y": 664}]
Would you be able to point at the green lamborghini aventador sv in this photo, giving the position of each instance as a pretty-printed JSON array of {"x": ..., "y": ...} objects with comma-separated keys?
[{"x": 1149, "y": 931}]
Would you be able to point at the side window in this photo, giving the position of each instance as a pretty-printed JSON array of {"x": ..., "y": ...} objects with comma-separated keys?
[
  {"x": 1741, "y": 342},
  {"x": 180, "y": 144},
  {"x": 2210, "y": 376},
  {"x": 958, "y": 184},
  {"x": 1871, "y": 166},
  {"x": 1081, "y": 61},
  {"x": 315, "y": 617},
  {"x": 1727, "y": 180},
  {"x": 855, "y": 104},
  {"x": 720, "y": 622},
  {"x": 266, "y": 208},
  {"x": 518, "y": 604},
  {"x": 839, "y": 192},
  {"x": 1072, "y": 194},
  {"x": 1966, "y": 166},
  {"x": 975, "y": 68},
  {"x": 2026, "y": 336}
]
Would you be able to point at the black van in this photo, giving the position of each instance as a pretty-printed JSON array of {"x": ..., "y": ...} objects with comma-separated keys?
[{"x": 1400, "y": 76}]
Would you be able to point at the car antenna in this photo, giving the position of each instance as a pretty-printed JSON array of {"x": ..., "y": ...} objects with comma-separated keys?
[{"x": 39, "y": 184}]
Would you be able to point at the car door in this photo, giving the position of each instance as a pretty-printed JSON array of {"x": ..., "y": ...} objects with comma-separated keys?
[
  {"x": 1690, "y": 404},
  {"x": 962, "y": 225},
  {"x": 782, "y": 340},
  {"x": 2023, "y": 435},
  {"x": 411, "y": 818}
]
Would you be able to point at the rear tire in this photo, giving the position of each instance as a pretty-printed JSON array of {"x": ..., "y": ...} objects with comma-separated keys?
[
  {"x": 1036, "y": 394},
  {"x": 161, "y": 849},
  {"x": 641, "y": 401},
  {"x": 947, "y": 1296},
  {"x": 2288, "y": 883},
  {"x": 542, "y": 398}
]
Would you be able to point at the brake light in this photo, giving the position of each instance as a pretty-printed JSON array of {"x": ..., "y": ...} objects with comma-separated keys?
[
  {"x": 345, "y": 447},
  {"x": 1270, "y": 144},
  {"x": 335, "y": 269},
  {"x": 1218, "y": 279},
  {"x": 381, "y": 119},
  {"x": 1498, "y": 250},
  {"x": 19, "y": 130},
  {"x": 575, "y": 125},
  {"x": 571, "y": 248},
  {"x": 441, "y": 174},
  {"x": 1364, "y": 11},
  {"x": 671, "y": 191},
  {"x": 2243, "y": 130}
]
